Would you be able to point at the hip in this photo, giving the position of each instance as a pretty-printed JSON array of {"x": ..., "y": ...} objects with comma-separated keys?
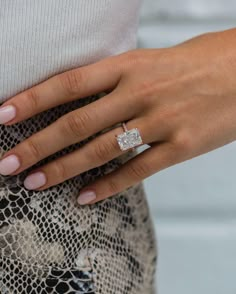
[{"x": 50, "y": 239}]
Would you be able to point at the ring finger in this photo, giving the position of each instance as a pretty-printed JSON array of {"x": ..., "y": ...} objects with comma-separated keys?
[{"x": 95, "y": 153}]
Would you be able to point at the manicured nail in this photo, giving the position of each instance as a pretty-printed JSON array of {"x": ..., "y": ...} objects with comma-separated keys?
[
  {"x": 86, "y": 197},
  {"x": 9, "y": 164},
  {"x": 7, "y": 113},
  {"x": 35, "y": 180}
]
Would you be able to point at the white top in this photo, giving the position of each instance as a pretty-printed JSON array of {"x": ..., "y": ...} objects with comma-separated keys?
[{"x": 40, "y": 38}]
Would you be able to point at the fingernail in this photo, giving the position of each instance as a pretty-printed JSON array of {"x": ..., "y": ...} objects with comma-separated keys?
[
  {"x": 7, "y": 113},
  {"x": 35, "y": 180},
  {"x": 86, "y": 197},
  {"x": 9, "y": 164}
]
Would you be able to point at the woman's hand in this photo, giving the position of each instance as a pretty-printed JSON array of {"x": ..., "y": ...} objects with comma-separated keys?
[{"x": 182, "y": 99}]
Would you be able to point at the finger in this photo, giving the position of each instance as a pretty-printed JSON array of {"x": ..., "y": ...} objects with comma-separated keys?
[
  {"x": 95, "y": 153},
  {"x": 67, "y": 130},
  {"x": 64, "y": 87},
  {"x": 143, "y": 165}
]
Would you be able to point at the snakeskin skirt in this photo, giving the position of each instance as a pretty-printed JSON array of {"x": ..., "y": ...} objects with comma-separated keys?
[{"x": 50, "y": 244}]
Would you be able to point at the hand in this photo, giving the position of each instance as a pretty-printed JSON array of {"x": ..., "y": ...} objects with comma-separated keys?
[{"x": 182, "y": 99}]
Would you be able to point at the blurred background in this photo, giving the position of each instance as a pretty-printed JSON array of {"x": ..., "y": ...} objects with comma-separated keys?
[{"x": 193, "y": 203}]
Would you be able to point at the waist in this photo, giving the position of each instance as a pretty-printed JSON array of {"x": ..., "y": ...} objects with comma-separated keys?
[{"x": 42, "y": 38}]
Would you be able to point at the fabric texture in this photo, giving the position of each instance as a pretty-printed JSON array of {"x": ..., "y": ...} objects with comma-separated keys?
[
  {"x": 48, "y": 243},
  {"x": 40, "y": 38}
]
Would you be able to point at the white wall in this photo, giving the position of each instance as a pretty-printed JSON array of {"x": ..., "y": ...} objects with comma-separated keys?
[{"x": 194, "y": 202}]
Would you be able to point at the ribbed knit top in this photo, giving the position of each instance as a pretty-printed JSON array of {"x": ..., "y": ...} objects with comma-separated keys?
[{"x": 40, "y": 38}]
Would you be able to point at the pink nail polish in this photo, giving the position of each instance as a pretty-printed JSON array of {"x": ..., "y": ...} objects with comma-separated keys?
[
  {"x": 35, "y": 180},
  {"x": 86, "y": 197},
  {"x": 9, "y": 164},
  {"x": 7, "y": 113}
]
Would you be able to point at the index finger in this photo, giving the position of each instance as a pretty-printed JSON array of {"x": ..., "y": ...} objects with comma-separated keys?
[{"x": 65, "y": 87}]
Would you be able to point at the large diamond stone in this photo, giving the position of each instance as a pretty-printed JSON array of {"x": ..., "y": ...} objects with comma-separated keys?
[{"x": 129, "y": 139}]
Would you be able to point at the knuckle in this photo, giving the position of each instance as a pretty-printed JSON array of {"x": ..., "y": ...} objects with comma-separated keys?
[
  {"x": 134, "y": 57},
  {"x": 32, "y": 100},
  {"x": 34, "y": 149},
  {"x": 60, "y": 169},
  {"x": 71, "y": 81},
  {"x": 146, "y": 90},
  {"x": 113, "y": 186},
  {"x": 143, "y": 93},
  {"x": 138, "y": 171},
  {"x": 76, "y": 125},
  {"x": 184, "y": 142},
  {"x": 167, "y": 116},
  {"x": 129, "y": 60},
  {"x": 101, "y": 152},
  {"x": 168, "y": 113}
]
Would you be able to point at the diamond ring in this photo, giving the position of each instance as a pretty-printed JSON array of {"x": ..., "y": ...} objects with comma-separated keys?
[{"x": 129, "y": 139}]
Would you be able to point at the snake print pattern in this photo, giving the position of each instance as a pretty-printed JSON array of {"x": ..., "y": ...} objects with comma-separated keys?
[{"x": 50, "y": 244}]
